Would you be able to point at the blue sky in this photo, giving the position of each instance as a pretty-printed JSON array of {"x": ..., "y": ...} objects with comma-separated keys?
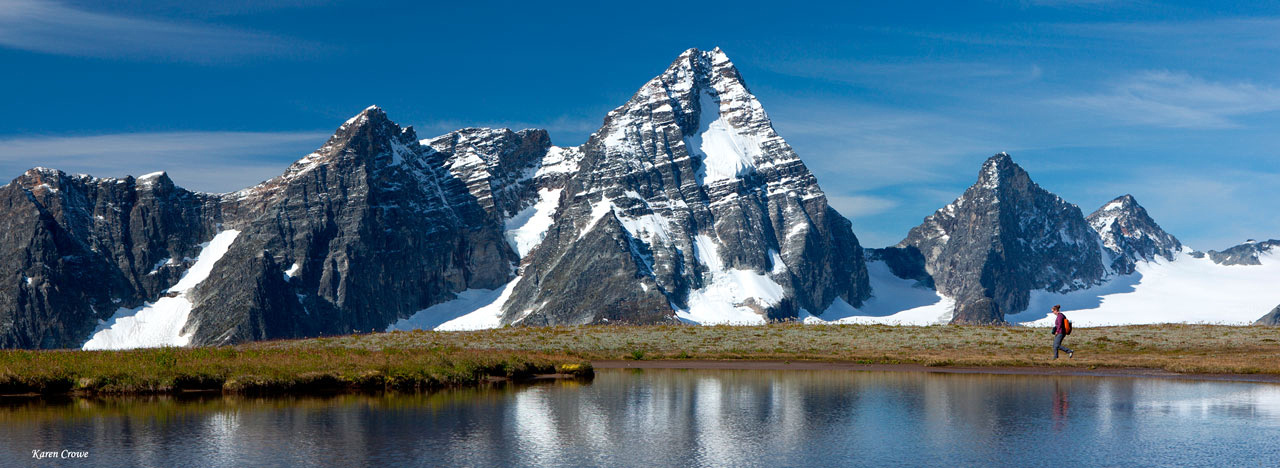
[{"x": 893, "y": 105}]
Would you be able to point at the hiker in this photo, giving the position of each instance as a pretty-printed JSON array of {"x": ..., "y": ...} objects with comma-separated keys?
[{"x": 1061, "y": 328}]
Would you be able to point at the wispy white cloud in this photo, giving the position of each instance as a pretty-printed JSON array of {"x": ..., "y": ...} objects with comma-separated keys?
[
  {"x": 205, "y": 161},
  {"x": 1177, "y": 100},
  {"x": 1217, "y": 36},
  {"x": 933, "y": 77},
  {"x": 855, "y": 148},
  {"x": 57, "y": 28},
  {"x": 854, "y": 206}
]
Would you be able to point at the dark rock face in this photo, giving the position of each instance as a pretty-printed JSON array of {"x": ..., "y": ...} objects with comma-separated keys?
[
  {"x": 77, "y": 248},
  {"x": 607, "y": 276},
  {"x": 1130, "y": 235},
  {"x": 1243, "y": 254},
  {"x": 701, "y": 185},
  {"x": 1272, "y": 318},
  {"x": 495, "y": 165},
  {"x": 1004, "y": 237},
  {"x": 370, "y": 212},
  {"x": 982, "y": 311}
]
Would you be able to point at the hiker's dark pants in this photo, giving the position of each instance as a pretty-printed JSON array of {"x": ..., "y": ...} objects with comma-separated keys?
[{"x": 1057, "y": 344}]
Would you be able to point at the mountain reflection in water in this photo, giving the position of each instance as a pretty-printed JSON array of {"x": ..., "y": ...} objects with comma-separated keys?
[{"x": 681, "y": 418}]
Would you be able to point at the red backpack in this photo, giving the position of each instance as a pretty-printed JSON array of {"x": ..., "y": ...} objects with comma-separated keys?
[{"x": 1066, "y": 325}]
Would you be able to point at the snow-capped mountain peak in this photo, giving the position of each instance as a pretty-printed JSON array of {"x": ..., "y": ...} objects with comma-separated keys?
[
  {"x": 692, "y": 155},
  {"x": 1130, "y": 235}
]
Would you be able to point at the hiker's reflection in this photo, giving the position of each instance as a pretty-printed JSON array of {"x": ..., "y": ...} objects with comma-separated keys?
[{"x": 1060, "y": 406}]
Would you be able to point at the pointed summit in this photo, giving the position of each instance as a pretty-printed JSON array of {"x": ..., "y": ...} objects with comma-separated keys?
[
  {"x": 1130, "y": 235},
  {"x": 1000, "y": 170},
  {"x": 369, "y": 137},
  {"x": 372, "y": 122},
  {"x": 731, "y": 225},
  {"x": 1004, "y": 237}
]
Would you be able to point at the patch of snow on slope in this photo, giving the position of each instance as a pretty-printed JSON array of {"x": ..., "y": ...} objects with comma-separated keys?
[
  {"x": 705, "y": 249},
  {"x": 1187, "y": 290},
  {"x": 895, "y": 301},
  {"x": 559, "y": 160},
  {"x": 730, "y": 293},
  {"x": 598, "y": 212},
  {"x": 292, "y": 271},
  {"x": 160, "y": 323},
  {"x": 725, "y": 300},
  {"x": 473, "y": 309},
  {"x": 650, "y": 228},
  {"x": 525, "y": 230},
  {"x": 727, "y": 154}
]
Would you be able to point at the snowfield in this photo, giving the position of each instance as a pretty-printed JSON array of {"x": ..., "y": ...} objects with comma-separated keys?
[
  {"x": 473, "y": 309},
  {"x": 1186, "y": 290},
  {"x": 160, "y": 323},
  {"x": 894, "y": 301}
]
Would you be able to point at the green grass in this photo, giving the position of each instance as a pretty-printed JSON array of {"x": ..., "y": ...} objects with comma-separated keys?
[
  {"x": 1176, "y": 348},
  {"x": 425, "y": 359},
  {"x": 303, "y": 368}
]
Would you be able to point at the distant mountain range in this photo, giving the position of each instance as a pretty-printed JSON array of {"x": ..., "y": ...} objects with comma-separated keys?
[{"x": 685, "y": 206}]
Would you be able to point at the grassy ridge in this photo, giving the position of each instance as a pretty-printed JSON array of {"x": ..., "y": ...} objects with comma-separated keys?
[
  {"x": 1175, "y": 348},
  {"x": 425, "y": 359},
  {"x": 309, "y": 367}
]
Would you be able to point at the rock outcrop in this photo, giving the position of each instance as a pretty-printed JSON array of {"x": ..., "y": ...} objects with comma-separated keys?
[
  {"x": 1244, "y": 254},
  {"x": 1272, "y": 318}
]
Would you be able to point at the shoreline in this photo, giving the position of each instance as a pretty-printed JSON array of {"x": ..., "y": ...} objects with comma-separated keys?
[
  {"x": 712, "y": 364},
  {"x": 420, "y": 360}
]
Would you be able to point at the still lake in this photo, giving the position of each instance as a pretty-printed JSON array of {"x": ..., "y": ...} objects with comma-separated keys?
[{"x": 662, "y": 417}]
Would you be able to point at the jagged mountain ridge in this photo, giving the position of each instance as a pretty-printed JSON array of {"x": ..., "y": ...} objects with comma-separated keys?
[
  {"x": 1243, "y": 254},
  {"x": 1001, "y": 239},
  {"x": 662, "y": 206},
  {"x": 685, "y": 205}
]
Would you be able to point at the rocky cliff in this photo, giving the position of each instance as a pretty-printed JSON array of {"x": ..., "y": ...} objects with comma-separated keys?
[
  {"x": 1004, "y": 237},
  {"x": 78, "y": 248}
]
